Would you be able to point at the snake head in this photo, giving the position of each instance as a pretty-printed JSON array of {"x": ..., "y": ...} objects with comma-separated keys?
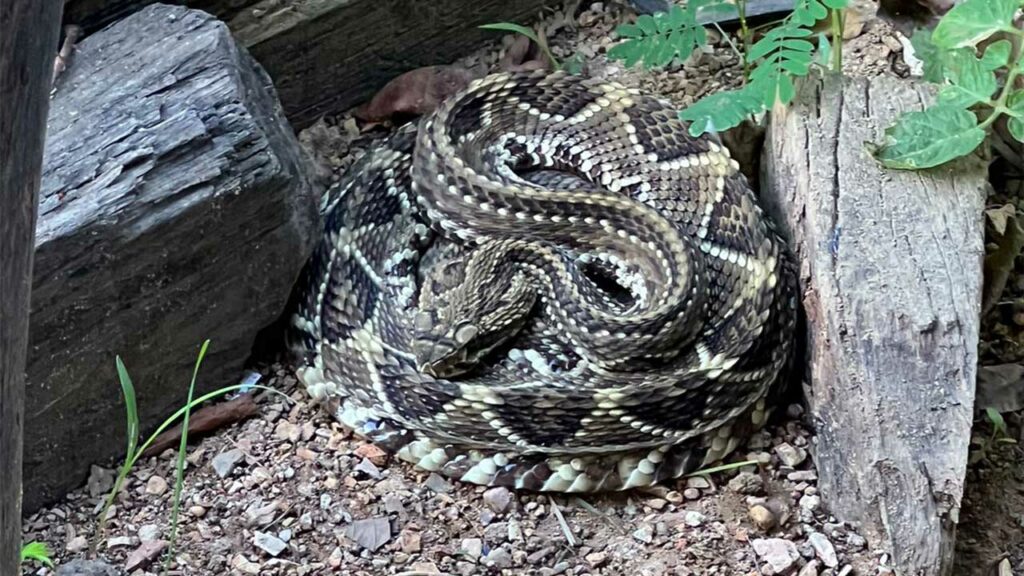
[{"x": 471, "y": 320}]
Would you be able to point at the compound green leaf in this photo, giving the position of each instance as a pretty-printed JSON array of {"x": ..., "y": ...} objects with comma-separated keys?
[
  {"x": 934, "y": 136},
  {"x": 835, "y": 4},
  {"x": 721, "y": 110},
  {"x": 628, "y": 31},
  {"x": 972, "y": 21},
  {"x": 647, "y": 24}
]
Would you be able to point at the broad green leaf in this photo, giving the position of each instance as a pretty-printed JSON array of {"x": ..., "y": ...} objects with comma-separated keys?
[
  {"x": 1015, "y": 124},
  {"x": 510, "y": 27},
  {"x": 929, "y": 54},
  {"x": 130, "y": 405},
  {"x": 934, "y": 136},
  {"x": 972, "y": 21},
  {"x": 996, "y": 55},
  {"x": 835, "y": 4},
  {"x": 798, "y": 45},
  {"x": 971, "y": 82},
  {"x": 1015, "y": 102},
  {"x": 1016, "y": 127}
]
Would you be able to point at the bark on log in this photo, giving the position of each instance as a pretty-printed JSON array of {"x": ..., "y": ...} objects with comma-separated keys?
[
  {"x": 28, "y": 34},
  {"x": 329, "y": 55},
  {"x": 175, "y": 207},
  {"x": 891, "y": 271}
]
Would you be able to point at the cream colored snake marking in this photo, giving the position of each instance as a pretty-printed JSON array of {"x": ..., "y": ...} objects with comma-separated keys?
[{"x": 547, "y": 284}]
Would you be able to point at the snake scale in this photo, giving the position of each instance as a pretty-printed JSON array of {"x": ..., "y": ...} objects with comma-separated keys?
[{"x": 546, "y": 284}]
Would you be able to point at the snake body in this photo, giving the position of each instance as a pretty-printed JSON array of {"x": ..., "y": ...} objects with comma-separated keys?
[{"x": 547, "y": 284}]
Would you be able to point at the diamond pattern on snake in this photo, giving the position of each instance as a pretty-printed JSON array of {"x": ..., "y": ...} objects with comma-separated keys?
[{"x": 547, "y": 284}]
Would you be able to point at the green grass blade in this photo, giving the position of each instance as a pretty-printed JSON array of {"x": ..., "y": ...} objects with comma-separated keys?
[
  {"x": 37, "y": 552},
  {"x": 179, "y": 474},
  {"x": 723, "y": 468},
  {"x": 510, "y": 27},
  {"x": 130, "y": 405}
]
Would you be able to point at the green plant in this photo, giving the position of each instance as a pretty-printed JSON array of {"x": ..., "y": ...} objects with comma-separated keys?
[
  {"x": 783, "y": 54},
  {"x": 971, "y": 96},
  {"x": 529, "y": 33},
  {"x": 135, "y": 451},
  {"x": 36, "y": 552}
]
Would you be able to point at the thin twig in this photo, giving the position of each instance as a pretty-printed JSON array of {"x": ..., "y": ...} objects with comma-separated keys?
[
  {"x": 561, "y": 521},
  {"x": 589, "y": 508}
]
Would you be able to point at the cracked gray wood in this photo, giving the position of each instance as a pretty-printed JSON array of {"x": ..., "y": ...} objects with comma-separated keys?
[
  {"x": 28, "y": 32},
  {"x": 175, "y": 207},
  {"x": 891, "y": 273},
  {"x": 329, "y": 55}
]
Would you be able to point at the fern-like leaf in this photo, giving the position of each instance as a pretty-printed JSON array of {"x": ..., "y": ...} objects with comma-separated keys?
[
  {"x": 723, "y": 110},
  {"x": 657, "y": 40}
]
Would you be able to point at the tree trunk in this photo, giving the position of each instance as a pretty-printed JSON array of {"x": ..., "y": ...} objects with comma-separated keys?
[
  {"x": 891, "y": 273},
  {"x": 28, "y": 43}
]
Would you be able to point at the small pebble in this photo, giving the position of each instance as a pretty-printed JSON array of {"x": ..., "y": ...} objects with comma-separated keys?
[
  {"x": 810, "y": 569},
  {"x": 691, "y": 494},
  {"x": 790, "y": 455},
  {"x": 644, "y": 534},
  {"x": 823, "y": 549},
  {"x": 780, "y": 554},
  {"x": 747, "y": 483},
  {"x": 156, "y": 485},
  {"x": 472, "y": 547},
  {"x": 225, "y": 462},
  {"x": 498, "y": 499},
  {"x": 693, "y": 518},
  {"x": 269, "y": 543},
  {"x": 762, "y": 517},
  {"x": 197, "y": 511}
]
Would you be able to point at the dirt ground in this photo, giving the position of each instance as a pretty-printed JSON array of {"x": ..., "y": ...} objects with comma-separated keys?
[{"x": 289, "y": 492}]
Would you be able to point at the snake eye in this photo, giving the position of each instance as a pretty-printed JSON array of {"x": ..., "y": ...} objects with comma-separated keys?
[{"x": 465, "y": 333}]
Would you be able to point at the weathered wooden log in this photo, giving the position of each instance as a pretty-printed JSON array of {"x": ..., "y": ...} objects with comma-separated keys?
[
  {"x": 28, "y": 30},
  {"x": 329, "y": 55},
  {"x": 891, "y": 272},
  {"x": 175, "y": 207}
]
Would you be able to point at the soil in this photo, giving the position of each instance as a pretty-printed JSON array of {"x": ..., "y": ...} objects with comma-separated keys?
[{"x": 290, "y": 492}]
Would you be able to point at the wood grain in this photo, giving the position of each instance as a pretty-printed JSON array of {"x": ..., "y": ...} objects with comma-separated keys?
[
  {"x": 28, "y": 41},
  {"x": 891, "y": 272}
]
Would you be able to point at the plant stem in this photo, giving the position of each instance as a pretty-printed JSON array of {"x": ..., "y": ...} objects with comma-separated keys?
[
  {"x": 999, "y": 106},
  {"x": 837, "y": 40},
  {"x": 741, "y": 8}
]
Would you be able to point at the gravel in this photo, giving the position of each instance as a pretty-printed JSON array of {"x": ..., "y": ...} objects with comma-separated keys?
[{"x": 290, "y": 492}]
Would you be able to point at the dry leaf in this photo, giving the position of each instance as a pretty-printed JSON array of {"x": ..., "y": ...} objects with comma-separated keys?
[
  {"x": 415, "y": 93},
  {"x": 1000, "y": 216}
]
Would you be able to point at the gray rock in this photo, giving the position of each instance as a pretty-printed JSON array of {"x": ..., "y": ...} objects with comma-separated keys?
[
  {"x": 175, "y": 205},
  {"x": 692, "y": 518},
  {"x": 78, "y": 567},
  {"x": 472, "y": 547},
  {"x": 780, "y": 554},
  {"x": 269, "y": 543},
  {"x": 823, "y": 549},
  {"x": 225, "y": 462},
  {"x": 438, "y": 484},
  {"x": 499, "y": 558},
  {"x": 644, "y": 534},
  {"x": 790, "y": 455},
  {"x": 100, "y": 481},
  {"x": 810, "y": 502},
  {"x": 498, "y": 499},
  {"x": 810, "y": 569},
  {"x": 747, "y": 483}
]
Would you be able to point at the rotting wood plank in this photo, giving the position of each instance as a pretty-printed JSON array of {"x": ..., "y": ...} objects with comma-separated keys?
[
  {"x": 28, "y": 35},
  {"x": 329, "y": 55},
  {"x": 891, "y": 274}
]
